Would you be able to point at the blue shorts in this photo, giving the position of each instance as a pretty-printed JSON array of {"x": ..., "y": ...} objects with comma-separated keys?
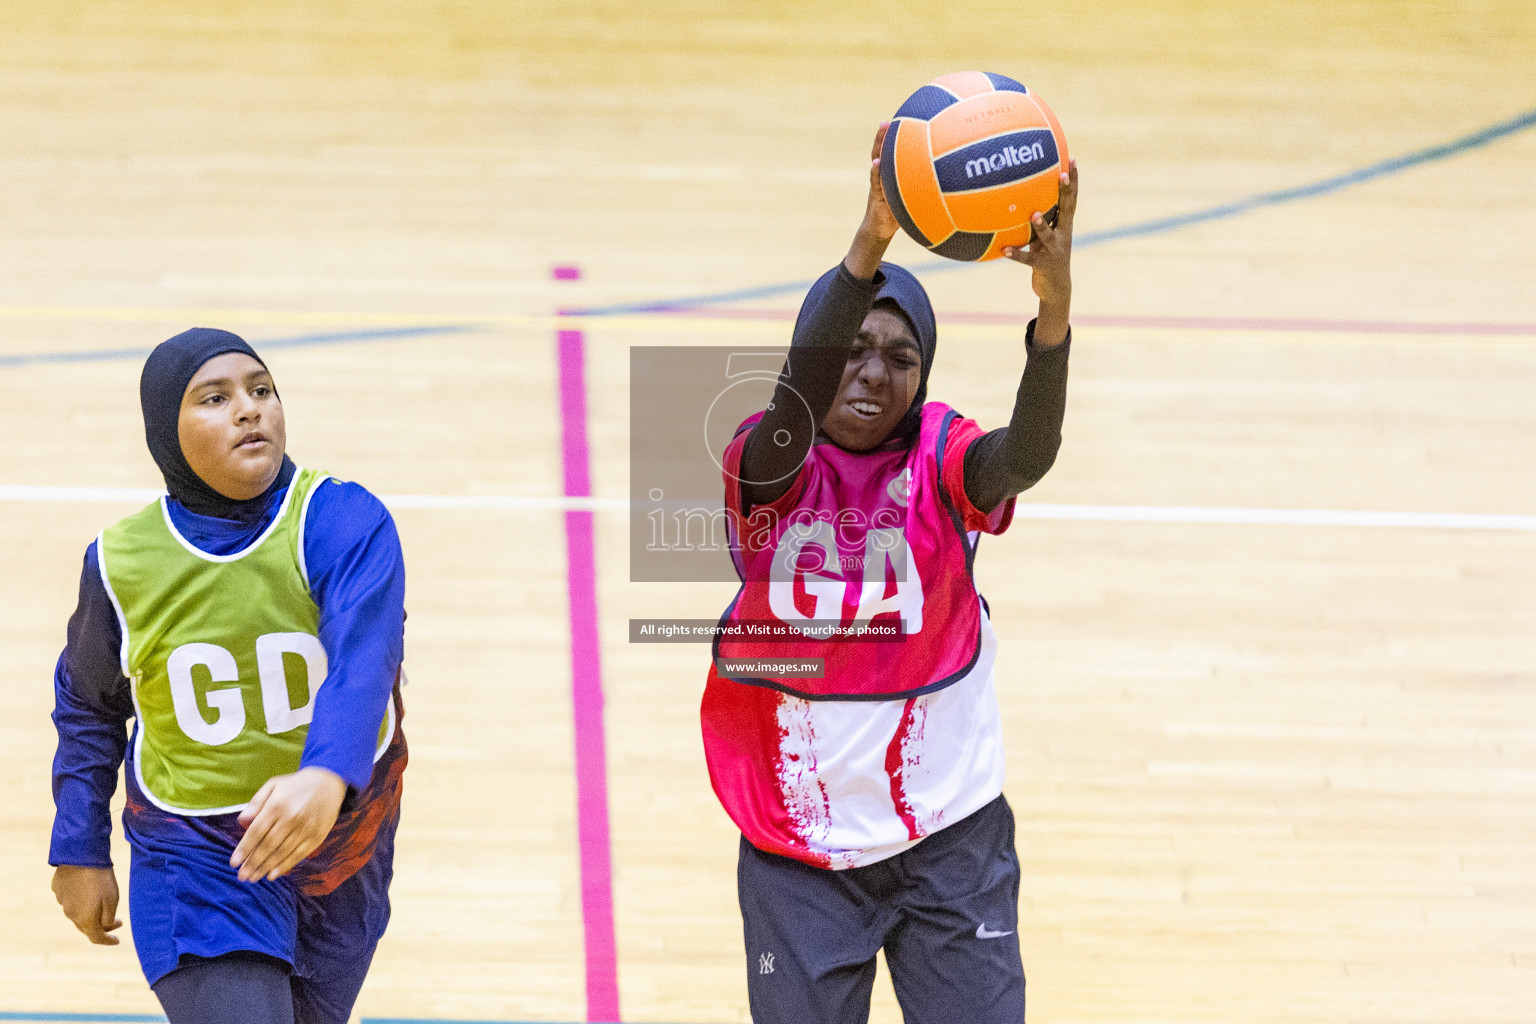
[
  {"x": 945, "y": 912},
  {"x": 323, "y": 920},
  {"x": 185, "y": 900}
]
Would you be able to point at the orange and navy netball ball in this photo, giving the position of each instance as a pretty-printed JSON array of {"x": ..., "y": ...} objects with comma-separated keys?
[{"x": 968, "y": 160}]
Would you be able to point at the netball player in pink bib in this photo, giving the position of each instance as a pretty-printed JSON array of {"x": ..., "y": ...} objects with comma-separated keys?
[{"x": 869, "y": 795}]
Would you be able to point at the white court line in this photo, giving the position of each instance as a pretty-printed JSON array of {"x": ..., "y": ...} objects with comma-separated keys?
[
  {"x": 81, "y": 495},
  {"x": 1274, "y": 516},
  {"x": 449, "y": 502},
  {"x": 506, "y": 502},
  {"x": 1197, "y": 514}
]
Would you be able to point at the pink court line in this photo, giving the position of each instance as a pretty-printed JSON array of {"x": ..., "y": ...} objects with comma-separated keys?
[
  {"x": 592, "y": 832},
  {"x": 1187, "y": 323}
]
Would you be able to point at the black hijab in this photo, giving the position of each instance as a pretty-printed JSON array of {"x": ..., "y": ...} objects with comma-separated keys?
[
  {"x": 167, "y": 372},
  {"x": 898, "y": 289}
]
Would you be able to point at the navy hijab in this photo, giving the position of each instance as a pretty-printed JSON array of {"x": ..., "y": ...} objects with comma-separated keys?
[
  {"x": 898, "y": 289},
  {"x": 167, "y": 372}
]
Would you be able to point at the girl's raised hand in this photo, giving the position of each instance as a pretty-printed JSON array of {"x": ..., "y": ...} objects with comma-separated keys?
[
  {"x": 1049, "y": 255},
  {"x": 879, "y": 225},
  {"x": 877, "y": 212},
  {"x": 1050, "y": 252}
]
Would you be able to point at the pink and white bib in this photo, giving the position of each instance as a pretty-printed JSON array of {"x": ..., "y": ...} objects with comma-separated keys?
[{"x": 898, "y": 737}]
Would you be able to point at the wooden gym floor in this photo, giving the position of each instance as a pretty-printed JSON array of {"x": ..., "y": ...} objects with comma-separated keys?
[{"x": 1264, "y": 770}]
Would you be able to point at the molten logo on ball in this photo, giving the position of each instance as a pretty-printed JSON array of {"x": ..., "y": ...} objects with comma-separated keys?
[{"x": 1010, "y": 157}]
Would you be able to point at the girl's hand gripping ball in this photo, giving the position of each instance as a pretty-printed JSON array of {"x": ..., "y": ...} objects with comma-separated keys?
[{"x": 1050, "y": 253}]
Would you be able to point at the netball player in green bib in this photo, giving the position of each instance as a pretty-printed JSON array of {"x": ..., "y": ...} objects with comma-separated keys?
[{"x": 251, "y": 624}]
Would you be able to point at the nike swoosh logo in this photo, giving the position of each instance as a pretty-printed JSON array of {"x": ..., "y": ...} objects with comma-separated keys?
[{"x": 982, "y": 933}]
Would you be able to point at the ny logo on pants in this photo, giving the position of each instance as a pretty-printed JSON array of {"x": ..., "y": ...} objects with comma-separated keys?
[{"x": 765, "y": 963}]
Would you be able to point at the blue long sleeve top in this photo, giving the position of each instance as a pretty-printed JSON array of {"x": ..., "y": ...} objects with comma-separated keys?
[{"x": 357, "y": 579}]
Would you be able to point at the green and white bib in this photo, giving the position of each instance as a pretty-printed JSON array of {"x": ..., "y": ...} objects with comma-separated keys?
[{"x": 223, "y": 653}]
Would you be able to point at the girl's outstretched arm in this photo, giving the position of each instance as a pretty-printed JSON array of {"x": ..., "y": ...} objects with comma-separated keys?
[
  {"x": 818, "y": 353},
  {"x": 1007, "y": 462}
]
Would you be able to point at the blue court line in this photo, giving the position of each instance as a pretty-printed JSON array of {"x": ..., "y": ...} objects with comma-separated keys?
[
  {"x": 1381, "y": 169},
  {"x": 100, "y": 1018},
  {"x": 298, "y": 341}
]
